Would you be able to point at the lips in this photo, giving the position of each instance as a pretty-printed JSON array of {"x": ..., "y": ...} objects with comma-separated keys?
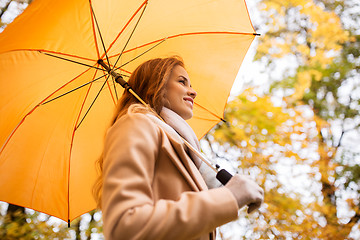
[{"x": 189, "y": 99}]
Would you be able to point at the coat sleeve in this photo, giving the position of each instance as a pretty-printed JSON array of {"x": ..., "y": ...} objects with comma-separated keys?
[{"x": 129, "y": 211}]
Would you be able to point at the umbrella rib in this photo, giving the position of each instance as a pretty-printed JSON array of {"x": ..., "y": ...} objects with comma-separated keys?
[
  {"x": 81, "y": 86},
  {"x": 91, "y": 105},
  {"x": 69, "y": 60},
  {"x": 163, "y": 40},
  {"x": 206, "y": 119},
  {"x": 33, "y": 109},
  {"x": 70, "y": 152},
  {"x": 98, "y": 29},
  {"x": 220, "y": 118},
  {"x": 47, "y": 51},
  {"x": 116, "y": 95},
  {"x": 94, "y": 31},
  {"x": 122, "y": 30},
  {"x": 186, "y": 34},
  {"x": 114, "y": 85},
  {"x": 60, "y": 53},
  {"x": 127, "y": 42},
  {"x": 103, "y": 45}
]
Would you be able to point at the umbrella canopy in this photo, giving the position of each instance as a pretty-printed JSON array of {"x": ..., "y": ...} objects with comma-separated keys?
[{"x": 56, "y": 101}]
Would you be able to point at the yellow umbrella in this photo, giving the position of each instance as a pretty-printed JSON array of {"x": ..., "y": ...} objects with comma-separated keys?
[{"x": 56, "y": 101}]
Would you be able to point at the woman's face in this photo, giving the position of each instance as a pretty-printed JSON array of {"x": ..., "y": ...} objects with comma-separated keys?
[{"x": 179, "y": 94}]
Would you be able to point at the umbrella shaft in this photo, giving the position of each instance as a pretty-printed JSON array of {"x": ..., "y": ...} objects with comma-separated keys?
[{"x": 197, "y": 153}]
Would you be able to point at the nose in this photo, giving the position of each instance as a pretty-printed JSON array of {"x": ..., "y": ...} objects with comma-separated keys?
[{"x": 192, "y": 93}]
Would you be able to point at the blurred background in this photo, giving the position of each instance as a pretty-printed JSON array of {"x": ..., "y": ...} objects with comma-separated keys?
[{"x": 293, "y": 124}]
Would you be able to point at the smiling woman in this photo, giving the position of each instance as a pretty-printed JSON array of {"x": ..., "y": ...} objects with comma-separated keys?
[{"x": 151, "y": 185}]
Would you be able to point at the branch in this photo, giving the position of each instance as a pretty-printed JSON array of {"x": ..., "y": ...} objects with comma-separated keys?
[
  {"x": 206, "y": 137},
  {"x": 213, "y": 152},
  {"x": 5, "y": 8},
  {"x": 341, "y": 137},
  {"x": 343, "y": 123},
  {"x": 354, "y": 219}
]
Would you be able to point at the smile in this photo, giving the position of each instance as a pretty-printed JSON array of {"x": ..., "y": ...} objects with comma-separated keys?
[{"x": 190, "y": 100}]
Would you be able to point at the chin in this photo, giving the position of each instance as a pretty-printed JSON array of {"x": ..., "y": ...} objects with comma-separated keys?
[{"x": 187, "y": 116}]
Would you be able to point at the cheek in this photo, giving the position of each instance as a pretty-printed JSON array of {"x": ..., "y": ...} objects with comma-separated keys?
[
  {"x": 174, "y": 97},
  {"x": 169, "y": 100},
  {"x": 174, "y": 101},
  {"x": 173, "y": 93}
]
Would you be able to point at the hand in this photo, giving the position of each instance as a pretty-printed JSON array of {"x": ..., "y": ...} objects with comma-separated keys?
[{"x": 246, "y": 191}]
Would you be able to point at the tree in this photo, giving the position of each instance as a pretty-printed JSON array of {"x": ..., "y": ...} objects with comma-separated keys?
[{"x": 268, "y": 142}]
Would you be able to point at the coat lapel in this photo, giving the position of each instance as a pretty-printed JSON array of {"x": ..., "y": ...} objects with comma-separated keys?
[
  {"x": 174, "y": 147},
  {"x": 183, "y": 162}
]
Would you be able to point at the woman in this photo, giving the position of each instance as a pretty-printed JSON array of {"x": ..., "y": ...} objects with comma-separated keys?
[{"x": 150, "y": 185}]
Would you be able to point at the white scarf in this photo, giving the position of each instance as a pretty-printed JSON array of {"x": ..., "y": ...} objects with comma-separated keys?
[
  {"x": 184, "y": 130},
  {"x": 178, "y": 124}
]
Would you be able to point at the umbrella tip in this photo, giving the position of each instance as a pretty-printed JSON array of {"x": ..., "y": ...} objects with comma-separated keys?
[
  {"x": 257, "y": 34},
  {"x": 68, "y": 223}
]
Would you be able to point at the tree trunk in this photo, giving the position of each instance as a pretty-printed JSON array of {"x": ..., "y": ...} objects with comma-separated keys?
[
  {"x": 77, "y": 230},
  {"x": 16, "y": 213}
]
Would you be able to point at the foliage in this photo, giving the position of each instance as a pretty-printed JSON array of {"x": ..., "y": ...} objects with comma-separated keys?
[
  {"x": 19, "y": 223},
  {"x": 271, "y": 141}
]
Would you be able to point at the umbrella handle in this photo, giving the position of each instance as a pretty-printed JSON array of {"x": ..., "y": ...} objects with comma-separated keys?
[{"x": 223, "y": 176}]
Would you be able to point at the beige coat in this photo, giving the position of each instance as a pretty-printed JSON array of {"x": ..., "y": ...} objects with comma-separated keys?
[{"x": 153, "y": 190}]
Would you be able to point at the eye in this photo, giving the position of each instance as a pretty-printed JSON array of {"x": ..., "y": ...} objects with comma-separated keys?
[{"x": 182, "y": 81}]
